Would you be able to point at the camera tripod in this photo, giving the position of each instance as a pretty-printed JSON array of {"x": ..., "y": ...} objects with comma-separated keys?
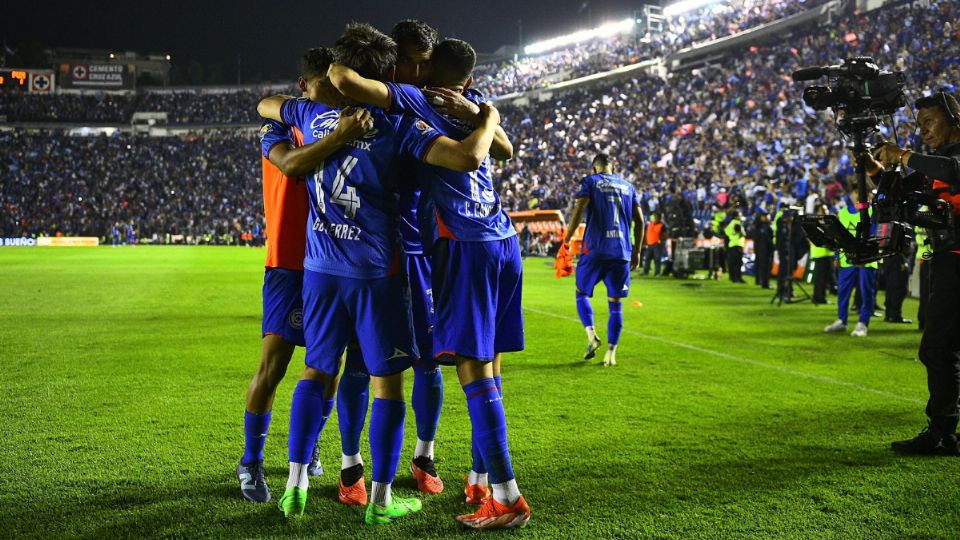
[{"x": 786, "y": 282}]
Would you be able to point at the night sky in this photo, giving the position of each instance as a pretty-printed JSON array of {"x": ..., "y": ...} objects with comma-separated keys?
[{"x": 269, "y": 36}]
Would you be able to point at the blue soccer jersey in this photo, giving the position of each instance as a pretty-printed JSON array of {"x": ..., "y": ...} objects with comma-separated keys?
[
  {"x": 454, "y": 205},
  {"x": 273, "y": 133},
  {"x": 609, "y": 216},
  {"x": 354, "y": 194}
]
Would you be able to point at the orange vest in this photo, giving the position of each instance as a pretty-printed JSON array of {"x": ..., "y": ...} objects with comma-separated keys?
[
  {"x": 654, "y": 233},
  {"x": 286, "y": 207}
]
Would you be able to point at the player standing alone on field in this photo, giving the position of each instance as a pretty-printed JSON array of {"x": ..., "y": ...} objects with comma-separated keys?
[{"x": 611, "y": 205}]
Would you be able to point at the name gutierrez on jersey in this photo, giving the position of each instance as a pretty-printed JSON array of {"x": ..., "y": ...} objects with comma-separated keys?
[{"x": 326, "y": 122}]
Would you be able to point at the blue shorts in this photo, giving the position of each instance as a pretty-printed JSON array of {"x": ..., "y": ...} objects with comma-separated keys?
[
  {"x": 477, "y": 288},
  {"x": 417, "y": 267},
  {"x": 615, "y": 274},
  {"x": 377, "y": 311},
  {"x": 283, "y": 304}
]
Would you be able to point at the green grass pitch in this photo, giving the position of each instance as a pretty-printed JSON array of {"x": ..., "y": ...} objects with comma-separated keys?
[{"x": 125, "y": 372}]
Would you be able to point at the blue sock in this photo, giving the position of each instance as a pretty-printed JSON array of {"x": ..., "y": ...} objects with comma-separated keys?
[
  {"x": 427, "y": 401},
  {"x": 615, "y": 323},
  {"x": 353, "y": 398},
  {"x": 327, "y": 409},
  {"x": 478, "y": 466},
  {"x": 386, "y": 438},
  {"x": 584, "y": 309},
  {"x": 255, "y": 427},
  {"x": 489, "y": 428},
  {"x": 306, "y": 415}
]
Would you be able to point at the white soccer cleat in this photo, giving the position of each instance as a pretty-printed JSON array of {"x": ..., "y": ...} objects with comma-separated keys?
[
  {"x": 610, "y": 358},
  {"x": 860, "y": 330},
  {"x": 837, "y": 326}
]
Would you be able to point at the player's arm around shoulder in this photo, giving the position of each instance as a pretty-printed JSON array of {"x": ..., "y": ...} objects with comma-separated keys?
[
  {"x": 354, "y": 123},
  {"x": 359, "y": 88},
  {"x": 270, "y": 107},
  {"x": 466, "y": 155},
  {"x": 457, "y": 105}
]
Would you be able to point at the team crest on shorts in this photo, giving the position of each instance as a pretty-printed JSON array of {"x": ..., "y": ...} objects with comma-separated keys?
[
  {"x": 424, "y": 127},
  {"x": 296, "y": 319}
]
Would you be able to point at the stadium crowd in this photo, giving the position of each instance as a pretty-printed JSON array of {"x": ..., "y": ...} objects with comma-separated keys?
[
  {"x": 680, "y": 31},
  {"x": 735, "y": 131},
  {"x": 202, "y": 187},
  {"x": 229, "y": 107}
]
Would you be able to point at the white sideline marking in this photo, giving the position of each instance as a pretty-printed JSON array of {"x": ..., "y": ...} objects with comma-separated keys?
[{"x": 748, "y": 361}]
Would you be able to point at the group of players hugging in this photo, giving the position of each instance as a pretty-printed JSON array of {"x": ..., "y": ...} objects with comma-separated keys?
[{"x": 387, "y": 249}]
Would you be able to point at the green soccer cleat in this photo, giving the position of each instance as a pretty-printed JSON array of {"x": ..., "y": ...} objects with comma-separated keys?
[
  {"x": 399, "y": 507},
  {"x": 293, "y": 502}
]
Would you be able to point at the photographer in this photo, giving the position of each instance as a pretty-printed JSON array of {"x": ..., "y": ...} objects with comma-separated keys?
[{"x": 939, "y": 119}]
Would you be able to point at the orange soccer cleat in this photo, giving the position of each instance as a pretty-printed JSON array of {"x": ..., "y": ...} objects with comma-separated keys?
[
  {"x": 475, "y": 493},
  {"x": 493, "y": 515},
  {"x": 428, "y": 481},
  {"x": 354, "y": 495}
]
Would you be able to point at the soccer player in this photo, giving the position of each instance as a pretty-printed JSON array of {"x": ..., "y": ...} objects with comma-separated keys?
[
  {"x": 611, "y": 205},
  {"x": 415, "y": 42},
  {"x": 477, "y": 272},
  {"x": 351, "y": 271},
  {"x": 285, "y": 205}
]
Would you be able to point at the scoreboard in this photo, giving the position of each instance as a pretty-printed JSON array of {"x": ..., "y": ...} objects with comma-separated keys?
[
  {"x": 13, "y": 78},
  {"x": 28, "y": 80}
]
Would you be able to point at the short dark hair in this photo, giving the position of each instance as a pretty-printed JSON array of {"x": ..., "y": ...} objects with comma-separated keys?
[
  {"x": 602, "y": 161},
  {"x": 315, "y": 62},
  {"x": 945, "y": 102},
  {"x": 417, "y": 33},
  {"x": 366, "y": 50},
  {"x": 453, "y": 59}
]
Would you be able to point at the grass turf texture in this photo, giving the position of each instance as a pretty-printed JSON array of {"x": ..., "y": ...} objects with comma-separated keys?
[{"x": 125, "y": 373}]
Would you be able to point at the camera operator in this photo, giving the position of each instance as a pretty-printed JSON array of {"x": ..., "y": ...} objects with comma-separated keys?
[{"x": 939, "y": 119}]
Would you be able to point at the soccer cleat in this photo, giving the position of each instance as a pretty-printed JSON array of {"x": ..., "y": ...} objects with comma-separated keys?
[
  {"x": 293, "y": 502},
  {"x": 475, "y": 493},
  {"x": 860, "y": 330},
  {"x": 493, "y": 515},
  {"x": 253, "y": 486},
  {"x": 610, "y": 358},
  {"x": 315, "y": 468},
  {"x": 928, "y": 443},
  {"x": 355, "y": 494},
  {"x": 425, "y": 473},
  {"x": 836, "y": 326},
  {"x": 592, "y": 348},
  {"x": 398, "y": 507}
]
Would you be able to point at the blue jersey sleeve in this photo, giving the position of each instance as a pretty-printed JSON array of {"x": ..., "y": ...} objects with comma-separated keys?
[
  {"x": 584, "y": 190},
  {"x": 293, "y": 111},
  {"x": 273, "y": 133},
  {"x": 408, "y": 99},
  {"x": 417, "y": 137}
]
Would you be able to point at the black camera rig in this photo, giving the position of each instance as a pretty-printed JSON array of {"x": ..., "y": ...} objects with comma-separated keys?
[{"x": 860, "y": 93}]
